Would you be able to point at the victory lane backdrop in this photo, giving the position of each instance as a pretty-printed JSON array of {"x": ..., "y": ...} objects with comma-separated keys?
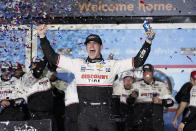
[{"x": 125, "y": 43}]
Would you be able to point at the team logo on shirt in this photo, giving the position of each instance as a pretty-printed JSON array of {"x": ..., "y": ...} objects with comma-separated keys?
[
  {"x": 107, "y": 69},
  {"x": 97, "y": 76},
  {"x": 94, "y": 78},
  {"x": 6, "y": 92},
  {"x": 83, "y": 68},
  {"x": 99, "y": 67},
  {"x": 44, "y": 82}
]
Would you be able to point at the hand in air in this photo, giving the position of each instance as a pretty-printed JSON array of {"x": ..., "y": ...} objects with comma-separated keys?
[
  {"x": 41, "y": 29},
  {"x": 149, "y": 36}
]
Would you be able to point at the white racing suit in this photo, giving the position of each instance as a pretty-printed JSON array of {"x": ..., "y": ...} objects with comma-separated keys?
[
  {"x": 137, "y": 74},
  {"x": 94, "y": 86},
  {"x": 126, "y": 110},
  {"x": 120, "y": 95},
  {"x": 39, "y": 95},
  {"x": 35, "y": 92},
  {"x": 118, "y": 85},
  {"x": 148, "y": 116},
  {"x": 32, "y": 85},
  {"x": 94, "y": 80},
  {"x": 190, "y": 117},
  {"x": 11, "y": 91}
]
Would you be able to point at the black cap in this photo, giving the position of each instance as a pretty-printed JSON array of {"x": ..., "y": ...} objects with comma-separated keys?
[
  {"x": 148, "y": 67},
  {"x": 93, "y": 37}
]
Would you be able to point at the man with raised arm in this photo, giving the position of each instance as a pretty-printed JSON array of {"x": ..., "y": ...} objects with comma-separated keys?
[{"x": 94, "y": 78}]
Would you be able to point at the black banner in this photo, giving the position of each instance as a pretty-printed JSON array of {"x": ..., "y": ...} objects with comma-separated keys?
[
  {"x": 33, "y": 125},
  {"x": 62, "y": 8},
  {"x": 18, "y": 12},
  {"x": 131, "y": 8}
]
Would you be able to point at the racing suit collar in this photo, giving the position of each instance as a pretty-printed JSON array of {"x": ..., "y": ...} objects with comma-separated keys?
[
  {"x": 94, "y": 60},
  {"x": 153, "y": 81}
]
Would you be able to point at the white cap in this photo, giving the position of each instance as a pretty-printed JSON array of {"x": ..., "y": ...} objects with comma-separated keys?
[
  {"x": 36, "y": 59},
  {"x": 127, "y": 73}
]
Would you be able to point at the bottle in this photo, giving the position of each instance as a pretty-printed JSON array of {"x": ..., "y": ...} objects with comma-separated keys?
[{"x": 147, "y": 27}]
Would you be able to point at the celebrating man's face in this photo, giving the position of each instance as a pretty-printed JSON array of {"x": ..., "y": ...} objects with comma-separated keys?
[{"x": 93, "y": 49}]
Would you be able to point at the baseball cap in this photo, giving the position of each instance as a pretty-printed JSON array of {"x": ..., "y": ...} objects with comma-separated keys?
[
  {"x": 36, "y": 59},
  {"x": 193, "y": 75},
  {"x": 127, "y": 73},
  {"x": 93, "y": 37},
  {"x": 148, "y": 67}
]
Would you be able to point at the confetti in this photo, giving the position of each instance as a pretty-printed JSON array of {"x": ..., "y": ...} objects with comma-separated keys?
[
  {"x": 79, "y": 43},
  {"x": 141, "y": 1},
  {"x": 60, "y": 36},
  {"x": 5, "y": 50},
  {"x": 189, "y": 58}
]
